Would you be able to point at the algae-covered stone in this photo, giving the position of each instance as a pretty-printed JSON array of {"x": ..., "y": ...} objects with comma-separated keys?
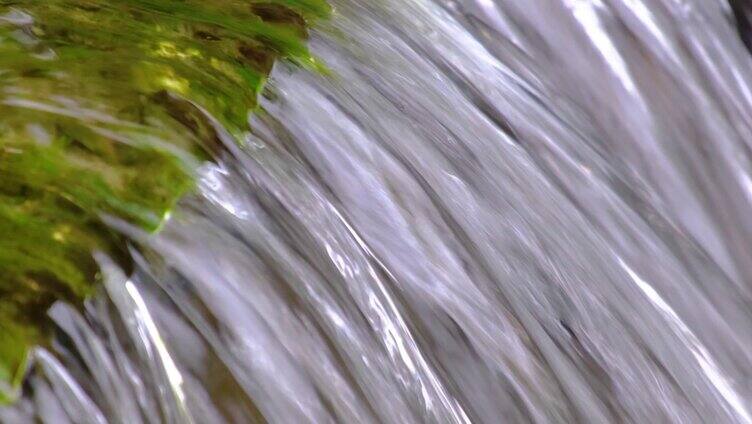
[{"x": 101, "y": 112}]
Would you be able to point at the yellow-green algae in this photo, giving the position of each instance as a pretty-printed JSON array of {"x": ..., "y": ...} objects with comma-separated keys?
[{"x": 99, "y": 115}]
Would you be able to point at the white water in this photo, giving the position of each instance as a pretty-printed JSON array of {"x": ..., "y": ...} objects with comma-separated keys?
[{"x": 491, "y": 211}]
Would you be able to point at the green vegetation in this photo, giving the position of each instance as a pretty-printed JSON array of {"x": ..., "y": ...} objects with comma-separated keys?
[{"x": 103, "y": 110}]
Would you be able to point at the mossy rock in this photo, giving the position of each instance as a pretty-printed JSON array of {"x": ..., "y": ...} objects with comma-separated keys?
[{"x": 99, "y": 115}]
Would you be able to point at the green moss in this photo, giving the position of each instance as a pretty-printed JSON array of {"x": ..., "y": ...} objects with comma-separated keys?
[{"x": 98, "y": 116}]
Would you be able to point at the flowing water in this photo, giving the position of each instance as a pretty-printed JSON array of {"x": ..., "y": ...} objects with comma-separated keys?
[{"x": 484, "y": 211}]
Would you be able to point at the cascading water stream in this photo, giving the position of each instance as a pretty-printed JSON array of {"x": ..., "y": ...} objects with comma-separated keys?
[{"x": 485, "y": 211}]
